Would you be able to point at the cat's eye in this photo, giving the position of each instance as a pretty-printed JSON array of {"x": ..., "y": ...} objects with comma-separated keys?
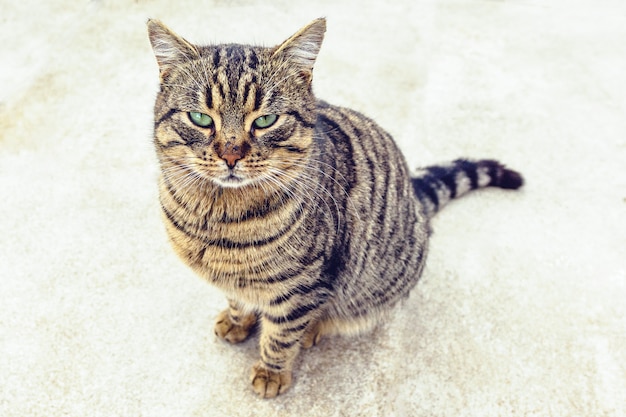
[
  {"x": 264, "y": 122},
  {"x": 200, "y": 119}
]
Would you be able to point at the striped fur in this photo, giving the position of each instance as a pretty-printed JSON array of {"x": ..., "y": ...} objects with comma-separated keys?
[{"x": 311, "y": 225}]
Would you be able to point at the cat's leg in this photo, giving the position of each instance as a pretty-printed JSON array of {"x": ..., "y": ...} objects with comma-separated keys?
[
  {"x": 234, "y": 324},
  {"x": 279, "y": 346}
]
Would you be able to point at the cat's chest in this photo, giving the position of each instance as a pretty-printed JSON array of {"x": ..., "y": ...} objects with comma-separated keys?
[
  {"x": 248, "y": 263},
  {"x": 239, "y": 252}
]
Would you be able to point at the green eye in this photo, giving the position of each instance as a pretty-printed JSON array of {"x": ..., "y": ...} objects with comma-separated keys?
[
  {"x": 200, "y": 119},
  {"x": 265, "y": 121}
]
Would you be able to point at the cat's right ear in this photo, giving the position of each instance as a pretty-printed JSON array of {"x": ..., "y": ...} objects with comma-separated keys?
[{"x": 170, "y": 49}]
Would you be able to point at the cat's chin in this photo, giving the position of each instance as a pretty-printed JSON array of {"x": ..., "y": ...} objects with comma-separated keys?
[{"x": 232, "y": 181}]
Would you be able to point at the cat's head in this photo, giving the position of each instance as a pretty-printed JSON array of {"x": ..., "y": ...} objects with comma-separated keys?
[{"x": 235, "y": 115}]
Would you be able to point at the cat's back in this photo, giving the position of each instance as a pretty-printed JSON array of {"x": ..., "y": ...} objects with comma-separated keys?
[
  {"x": 385, "y": 232},
  {"x": 370, "y": 163}
]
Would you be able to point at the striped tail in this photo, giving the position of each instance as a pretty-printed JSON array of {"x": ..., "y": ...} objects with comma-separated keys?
[{"x": 436, "y": 185}]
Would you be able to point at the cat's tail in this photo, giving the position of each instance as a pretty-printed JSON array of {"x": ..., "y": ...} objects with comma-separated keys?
[{"x": 436, "y": 185}]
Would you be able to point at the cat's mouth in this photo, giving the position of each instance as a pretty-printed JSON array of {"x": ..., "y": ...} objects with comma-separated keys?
[{"x": 232, "y": 180}]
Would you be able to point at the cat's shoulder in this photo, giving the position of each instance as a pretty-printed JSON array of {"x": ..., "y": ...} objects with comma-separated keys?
[{"x": 341, "y": 114}]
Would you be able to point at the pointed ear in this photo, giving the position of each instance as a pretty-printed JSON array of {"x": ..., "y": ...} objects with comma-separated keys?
[
  {"x": 302, "y": 48},
  {"x": 169, "y": 48}
]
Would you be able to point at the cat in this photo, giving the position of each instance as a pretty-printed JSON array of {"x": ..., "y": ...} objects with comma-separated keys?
[{"x": 303, "y": 213}]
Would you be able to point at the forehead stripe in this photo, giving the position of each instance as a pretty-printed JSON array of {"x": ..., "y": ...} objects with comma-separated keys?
[
  {"x": 258, "y": 98},
  {"x": 216, "y": 57},
  {"x": 246, "y": 90},
  {"x": 209, "y": 98}
]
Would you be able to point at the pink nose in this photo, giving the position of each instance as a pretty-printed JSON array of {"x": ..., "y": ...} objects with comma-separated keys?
[{"x": 231, "y": 156}]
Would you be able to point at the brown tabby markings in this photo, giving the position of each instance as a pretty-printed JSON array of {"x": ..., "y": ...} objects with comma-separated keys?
[{"x": 311, "y": 224}]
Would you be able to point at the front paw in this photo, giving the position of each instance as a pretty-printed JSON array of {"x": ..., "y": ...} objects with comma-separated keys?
[
  {"x": 232, "y": 332},
  {"x": 268, "y": 384}
]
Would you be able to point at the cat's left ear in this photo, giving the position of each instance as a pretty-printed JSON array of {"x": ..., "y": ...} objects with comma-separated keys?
[
  {"x": 302, "y": 48},
  {"x": 170, "y": 49}
]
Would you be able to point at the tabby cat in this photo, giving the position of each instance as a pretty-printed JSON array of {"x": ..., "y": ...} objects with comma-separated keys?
[{"x": 303, "y": 213}]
